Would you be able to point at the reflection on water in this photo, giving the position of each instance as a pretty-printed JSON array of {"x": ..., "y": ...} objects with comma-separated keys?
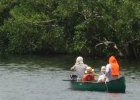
[
  {"x": 40, "y": 78},
  {"x": 113, "y": 96}
]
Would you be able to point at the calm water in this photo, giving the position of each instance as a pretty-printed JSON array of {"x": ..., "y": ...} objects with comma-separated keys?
[{"x": 40, "y": 78}]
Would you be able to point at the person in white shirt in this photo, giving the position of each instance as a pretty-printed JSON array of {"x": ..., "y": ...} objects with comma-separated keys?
[
  {"x": 79, "y": 67},
  {"x": 102, "y": 76}
]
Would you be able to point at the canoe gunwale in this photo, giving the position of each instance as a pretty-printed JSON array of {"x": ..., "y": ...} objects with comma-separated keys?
[{"x": 111, "y": 86}]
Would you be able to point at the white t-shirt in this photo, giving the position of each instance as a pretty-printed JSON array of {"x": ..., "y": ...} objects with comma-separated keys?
[
  {"x": 101, "y": 78},
  {"x": 80, "y": 69}
]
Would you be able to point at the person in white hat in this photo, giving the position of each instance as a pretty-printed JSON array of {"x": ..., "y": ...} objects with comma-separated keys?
[
  {"x": 79, "y": 67},
  {"x": 102, "y": 77}
]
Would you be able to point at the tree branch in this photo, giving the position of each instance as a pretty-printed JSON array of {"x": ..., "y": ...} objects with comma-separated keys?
[{"x": 106, "y": 43}]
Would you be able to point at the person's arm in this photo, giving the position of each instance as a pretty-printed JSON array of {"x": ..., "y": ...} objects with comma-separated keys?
[
  {"x": 107, "y": 69},
  {"x": 95, "y": 74},
  {"x": 72, "y": 68}
]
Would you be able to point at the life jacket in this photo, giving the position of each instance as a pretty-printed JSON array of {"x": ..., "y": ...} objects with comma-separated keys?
[
  {"x": 114, "y": 66},
  {"x": 88, "y": 77}
]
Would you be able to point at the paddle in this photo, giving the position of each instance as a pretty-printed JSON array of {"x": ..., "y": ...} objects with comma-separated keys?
[
  {"x": 68, "y": 80},
  {"x": 106, "y": 86}
]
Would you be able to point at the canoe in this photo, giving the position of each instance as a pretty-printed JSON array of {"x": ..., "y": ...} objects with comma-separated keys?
[{"x": 111, "y": 86}]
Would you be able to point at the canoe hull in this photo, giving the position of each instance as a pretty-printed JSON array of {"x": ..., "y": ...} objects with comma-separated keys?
[{"x": 112, "y": 86}]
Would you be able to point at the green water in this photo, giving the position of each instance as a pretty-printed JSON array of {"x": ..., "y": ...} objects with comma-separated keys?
[{"x": 40, "y": 78}]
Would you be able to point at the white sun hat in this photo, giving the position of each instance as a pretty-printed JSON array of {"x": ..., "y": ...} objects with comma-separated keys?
[
  {"x": 79, "y": 60},
  {"x": 103, "y": 69}
]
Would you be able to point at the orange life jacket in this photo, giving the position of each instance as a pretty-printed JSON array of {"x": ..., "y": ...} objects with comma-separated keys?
[
  {"x": 88, "y": 77},
  {"x": 114, "y": 66}
]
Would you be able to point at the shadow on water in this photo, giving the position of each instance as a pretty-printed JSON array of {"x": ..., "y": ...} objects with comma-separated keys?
[
  {"x": 56, "y": 63},
  {"x": 33, "y": 63}
]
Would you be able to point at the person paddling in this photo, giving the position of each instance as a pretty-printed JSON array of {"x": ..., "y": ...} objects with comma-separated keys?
[
  {"x": 79, "y": 67},
  {"x": 88, "y": 76},
  {"x": 112, "y": 69}
]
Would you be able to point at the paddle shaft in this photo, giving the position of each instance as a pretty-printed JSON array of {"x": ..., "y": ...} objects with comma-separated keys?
[
  {"x": 67, "y": 80},
  {"x": 106, "y": 86}
]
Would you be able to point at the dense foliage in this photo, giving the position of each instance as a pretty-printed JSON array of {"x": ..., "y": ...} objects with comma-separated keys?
[{"x": 88, "y": 27}]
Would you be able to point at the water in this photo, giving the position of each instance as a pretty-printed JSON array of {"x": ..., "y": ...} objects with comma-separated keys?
[{"x": 40, "y": 78}]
